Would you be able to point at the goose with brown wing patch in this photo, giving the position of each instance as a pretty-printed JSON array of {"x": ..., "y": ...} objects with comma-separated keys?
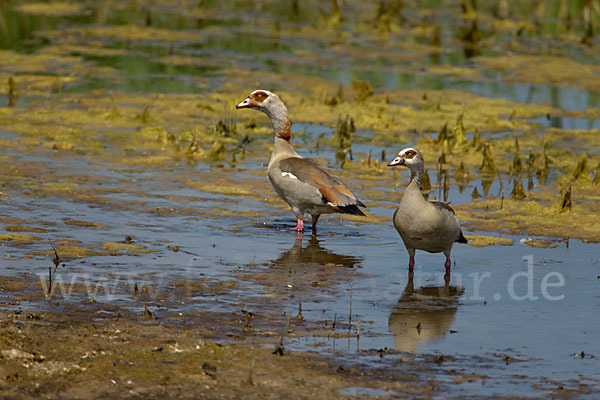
[
  {"x": 305, "y": 184},
  {"x": 431, "y": 226}
]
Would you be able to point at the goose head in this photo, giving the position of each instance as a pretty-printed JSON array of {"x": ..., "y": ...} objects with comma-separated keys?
[
  {"x": 270, "y": 104},
  {"x": 261, "y": 100},
  {"x": 409, "y": 157}
]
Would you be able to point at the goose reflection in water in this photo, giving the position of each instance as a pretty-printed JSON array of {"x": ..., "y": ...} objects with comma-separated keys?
[
  {"x": 314, "y": 254},
  {"x": 310, "y": 269},
  {"x": 422, "y": 315}
]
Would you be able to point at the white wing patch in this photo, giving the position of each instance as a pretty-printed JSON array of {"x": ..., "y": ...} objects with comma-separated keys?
[{"x": 292, "y": 176}]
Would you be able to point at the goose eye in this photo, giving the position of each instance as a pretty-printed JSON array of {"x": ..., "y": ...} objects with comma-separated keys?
[
  {"x": 260, "y": 96},
  {"x": 410, "y": 154}
]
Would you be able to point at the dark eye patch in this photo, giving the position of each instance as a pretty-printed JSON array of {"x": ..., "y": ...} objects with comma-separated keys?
[
  {"x": 260, "y": 96},
  {"x": 410, "y": 154}
]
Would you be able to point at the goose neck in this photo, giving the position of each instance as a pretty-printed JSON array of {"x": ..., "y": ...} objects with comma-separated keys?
[
  {"x": 416, "y": 176},
  {"x": 278, "y": 114}
]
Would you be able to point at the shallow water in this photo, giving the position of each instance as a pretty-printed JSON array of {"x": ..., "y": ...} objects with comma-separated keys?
[
  {"x": 483, "y": 317},
  {"x": 520, "y": 318}
]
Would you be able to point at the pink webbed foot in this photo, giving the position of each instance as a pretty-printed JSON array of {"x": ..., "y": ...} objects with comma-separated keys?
[{"x": 299, "y": 227}]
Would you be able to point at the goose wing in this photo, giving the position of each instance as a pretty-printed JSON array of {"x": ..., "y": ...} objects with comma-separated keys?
[
  {"x": 445, "y": 207},
  {"x": 329, "y": 185}
]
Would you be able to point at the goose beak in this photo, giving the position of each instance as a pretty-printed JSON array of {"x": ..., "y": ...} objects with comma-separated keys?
[
  {"x": 396, "y": 161},
  {"x": 247, "y": 103}
]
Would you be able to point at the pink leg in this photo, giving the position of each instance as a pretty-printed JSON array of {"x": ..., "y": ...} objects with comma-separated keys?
[
  {"x": 411, "y": 267},
  {"x": 447, "y": 264},
  {"x": 299, "y": 227}
]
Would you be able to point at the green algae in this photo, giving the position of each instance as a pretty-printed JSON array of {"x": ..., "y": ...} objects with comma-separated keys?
[
  {"x": 540, "y": 243},
  {"x": 12, "y": 284},
  {"x": 57, "y": 8},
  {"x": 13, "y": 228},
  {"x": 115, "y": 247},
  {"x": 223, "y": 186},
  {"x": 19, "y": 238},
  {"x": 50, "y": 64},
  {"x": 32, "y": 85},
  {"x": 128, "y": 33},
  {"x": 518, "y": 192},
  {"x": 533, "y": 217},
  {"x": 565, "y": 203},
  {"x": 83, "y": 224},
  {"x": 454, "y": 71},
  {"x": 483, "y": 241},
  {"x": 548, "y": 69},
  {"x": 69, "y": 251},
  {"x": 488, "y": 165}
]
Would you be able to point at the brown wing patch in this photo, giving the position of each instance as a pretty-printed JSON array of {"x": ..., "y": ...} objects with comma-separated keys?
[
  {"x": 343, "y": 190},
  {"x": 316, "y": 174},
  {"x": 443, "y": 206},
  {"x": 332, "y": 195},
  {"x": 328, "y": 194}
]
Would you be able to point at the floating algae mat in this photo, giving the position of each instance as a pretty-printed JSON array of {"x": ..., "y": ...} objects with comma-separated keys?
[{"x": 134, "y": 205}]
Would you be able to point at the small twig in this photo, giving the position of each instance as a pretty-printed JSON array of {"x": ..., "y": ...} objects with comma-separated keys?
[
  {"x": 334, "y": 321},
  {"x": 279, "y": 348},
  {"x": 350, "y": 313},
  {"x": 358, "y": 336},
  {"x": 56, "y": 259},
  {"x": 350, "y": 318},
  {"x": 56, "y": 262}
]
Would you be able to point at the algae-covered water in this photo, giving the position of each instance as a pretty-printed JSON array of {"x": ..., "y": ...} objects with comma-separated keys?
[{"x": 130, "y": 184}]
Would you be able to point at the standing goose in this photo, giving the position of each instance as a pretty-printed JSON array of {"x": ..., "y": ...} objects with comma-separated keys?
[
  {"x": 305, "y": 184},
  {"x": 425, "y": 225}
]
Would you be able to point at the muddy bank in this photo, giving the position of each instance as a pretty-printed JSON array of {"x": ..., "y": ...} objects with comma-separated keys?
[{"x": 49, "y": 355}]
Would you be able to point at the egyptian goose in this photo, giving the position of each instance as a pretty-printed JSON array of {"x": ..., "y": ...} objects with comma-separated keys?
[
  {"x": 305, "y": 184},
  {"x": 425, "y": 225}
]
